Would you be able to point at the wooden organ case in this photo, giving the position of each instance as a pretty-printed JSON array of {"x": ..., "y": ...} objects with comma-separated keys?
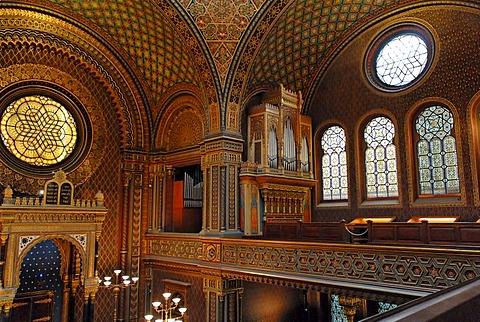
[
  {"x": 73, "y": 225},
  {"x": 277, "y": 178}
]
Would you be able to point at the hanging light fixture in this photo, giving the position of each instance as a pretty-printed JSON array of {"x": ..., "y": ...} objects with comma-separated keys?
[
  {"x": 169, "y": 310},
  {"x": 116, "y": 285}
]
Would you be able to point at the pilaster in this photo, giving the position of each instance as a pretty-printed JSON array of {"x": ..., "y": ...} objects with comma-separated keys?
[
  {"x": 221, "y": 159},
  {"x": 223, "y": 299},
  {"x": 131, "y": 225},
  {"x": 158, "y": 172}
]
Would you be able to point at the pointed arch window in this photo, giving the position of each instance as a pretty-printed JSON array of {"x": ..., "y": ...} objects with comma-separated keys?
[
  {"x": 380, "y": 159},
  {"x": 289, "y": 149},
  {"x": 436, "y": 152},
  {"x": 334, "y": 164}
]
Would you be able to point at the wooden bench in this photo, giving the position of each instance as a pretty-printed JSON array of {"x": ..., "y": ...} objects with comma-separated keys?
[
  {"x": 358, "y": 228},
  {"x": 333, "y": 232},
  {"x": 425, "y": 233}
]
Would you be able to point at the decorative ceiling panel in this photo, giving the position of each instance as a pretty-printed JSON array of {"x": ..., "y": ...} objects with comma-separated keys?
[
  {"x": 148, "y": 38},
  {"x": 303, "y": 37},
  {"x": 222, "y": 24}
]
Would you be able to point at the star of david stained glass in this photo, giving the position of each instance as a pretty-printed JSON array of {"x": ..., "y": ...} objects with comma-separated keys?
[
  {"x": 38, "y": 130},
  {"x": 399, "y": 57}
]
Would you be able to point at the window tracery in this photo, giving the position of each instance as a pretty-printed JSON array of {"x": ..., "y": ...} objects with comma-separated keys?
[
  {"x": 334, "y": 164},
  {"x": 380, "y": 159},
  {"x": 436, "y": 152},
  {"x": 38, "y": 130}
]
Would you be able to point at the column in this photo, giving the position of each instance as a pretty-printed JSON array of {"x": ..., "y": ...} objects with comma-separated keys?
[
  {"x": 221, "y": 159},
  {"x": 156, "y": 200},
  {"x": 350, "y": 306},
  {"x": 251, "y": 214},
  {"x": 223, "y": 299},
  {"x": 133, "y": 222}
]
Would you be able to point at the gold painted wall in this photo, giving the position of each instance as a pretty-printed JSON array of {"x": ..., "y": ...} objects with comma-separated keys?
[{"x": 344, "y": 96}]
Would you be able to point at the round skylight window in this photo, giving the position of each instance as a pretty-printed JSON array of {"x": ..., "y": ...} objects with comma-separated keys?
[{"x": 399, "y": 57}]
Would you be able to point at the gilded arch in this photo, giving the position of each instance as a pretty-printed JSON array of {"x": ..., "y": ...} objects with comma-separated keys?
[
  {"x": 183, "y": 124},
  {"x": 61, "y": 246},
  {"x": 66, "y": 40}
]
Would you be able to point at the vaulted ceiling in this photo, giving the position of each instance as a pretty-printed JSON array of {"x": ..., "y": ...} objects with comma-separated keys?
[
  {"x": 228, "y": 47},
  {"x": 222, "y": 51}
]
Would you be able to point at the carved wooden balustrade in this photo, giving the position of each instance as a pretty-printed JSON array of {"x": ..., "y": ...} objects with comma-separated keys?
[{"x": 394, "y": 270}]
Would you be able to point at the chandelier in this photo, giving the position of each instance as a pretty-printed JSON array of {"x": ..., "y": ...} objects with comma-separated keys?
[
  {"x": 116, "y": 285},
  {"x": 169, "y": 310}
]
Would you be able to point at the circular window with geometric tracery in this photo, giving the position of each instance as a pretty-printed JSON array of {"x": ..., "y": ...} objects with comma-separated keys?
[
  {"x": 38, "y": 130},
  {"x": 43, "y": 128},
  {"x": 399, "y": 57}
]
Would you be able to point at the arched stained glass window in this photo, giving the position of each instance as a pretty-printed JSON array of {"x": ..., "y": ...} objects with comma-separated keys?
[
  {"x": 437, "y": 152},
  {"x": 334, "y": 164},
  {"x": 380, "y": 158},
  {"x": 38, "y": 130}
]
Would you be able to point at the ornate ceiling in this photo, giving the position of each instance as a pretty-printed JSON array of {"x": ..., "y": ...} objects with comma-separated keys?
[{"x": 223, "y": 50}]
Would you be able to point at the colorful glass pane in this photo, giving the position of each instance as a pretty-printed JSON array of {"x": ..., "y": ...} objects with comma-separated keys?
[
  {"x": 380, "y": 158},
  {"x": 334, "y": 164},
  {"x": 38, "y": 130},
  {"x": 436, "y": 152},
  {"x": 336, "y": 312},
  {"x": 384, "y": 307}
]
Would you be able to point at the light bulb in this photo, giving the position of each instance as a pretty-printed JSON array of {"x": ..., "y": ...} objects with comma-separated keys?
[
  {"x": 176, "y": 300},
  {"x": 148, "y": 317},
  {"x": 125, "y": 277},
  {"x": 107, "y": 283},
  {"x": 135, "y": 279},
  {"x": 156, "y": 304},
  {"x": 182, "y": 310},
  {"x": 117, "y": 271},
  {"x": 126, "y": 282},
  {"x": 107, "y": 278},
  {"x": 166, "y": 295}
]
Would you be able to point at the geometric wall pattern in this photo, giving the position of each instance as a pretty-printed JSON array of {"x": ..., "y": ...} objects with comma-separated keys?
[
  {"x": 149, "y": 39},
  {"x": 182, "y": 43},
  {"x": 306, "y": 32},
  {"x": 222, "y": 24},
  {"x": 417, "y": 271},
  {"x": 165, "y": 52}
]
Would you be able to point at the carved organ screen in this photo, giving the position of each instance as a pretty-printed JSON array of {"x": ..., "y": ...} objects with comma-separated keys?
[{"x": 277, "y": 177}]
